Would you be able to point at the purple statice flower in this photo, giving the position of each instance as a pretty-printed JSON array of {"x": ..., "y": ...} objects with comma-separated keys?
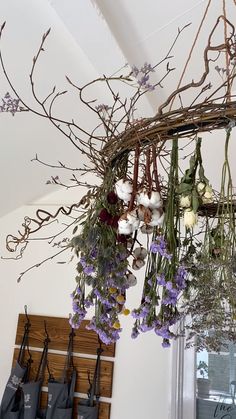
[
  {"x": 10, "y": 104},
  {"x": 73, "y": 323},
  {"x": 169, "y": 285},
  {"x": 180, "y": 277},
  {"x": 171, "y": 297},
  {"x": 136, "y": 314},
  {"x": 96, "y": 292},
  {"x": 134, "y": 333},
  {"x": 146, "y": 68},
  {"x": 163, "y": 332},
  {"x": 150, "y": 282},
  {"x": 135, "y": 70},
  {"x": 144, "y": 327},
  {"x": 94, "y": 253},
  {"x": 82, "y": 262},
  {"x": 161, "y": 279},
  {"x": 165, "y": 343},
  {"x": 143, "y": 81},
  {"x": 150, "y": 87},
  {"x": 147, "y": 299},
  {"x": 88, "y": 302},
  {"x": 160, "y": 247},
  {"x": 88, "y": 270},
  {"x": 145, "y": 309},
  {"x": 78, "y": 290}
]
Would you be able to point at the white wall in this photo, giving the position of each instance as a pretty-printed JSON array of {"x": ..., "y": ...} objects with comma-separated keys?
[{"x": 141, "y": 386}]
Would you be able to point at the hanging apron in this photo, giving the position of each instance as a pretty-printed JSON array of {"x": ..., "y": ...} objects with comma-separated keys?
[
  {"x": 32, "y": 389},
  {"x": 61, "y": 393},
  {"x": 89, "y": 409},
  {"x": 12, "y": 400}
]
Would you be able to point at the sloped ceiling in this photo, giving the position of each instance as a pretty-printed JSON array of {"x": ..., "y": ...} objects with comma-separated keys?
[{"x": 88, "y": 38}]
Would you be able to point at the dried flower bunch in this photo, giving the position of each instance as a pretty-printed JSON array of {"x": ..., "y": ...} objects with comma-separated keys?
[{"x": 147, "y": 214}]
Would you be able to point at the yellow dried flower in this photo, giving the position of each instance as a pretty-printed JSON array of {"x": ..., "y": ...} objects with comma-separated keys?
[
  {"x": 120, "y": 299},
  {"x": 116, "y": 325},
  {"x": 112, "y": 290},
  {"x": 125, "y": 311}
]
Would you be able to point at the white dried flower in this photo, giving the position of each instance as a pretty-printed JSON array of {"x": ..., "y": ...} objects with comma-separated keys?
[
  {"x": 207, "y": 198},
  {"x": 155, "y": 217},
  {"x": 142, "y": 198},
  {"x": 185, "y": 201},
  {"x": 126, "y": 197},
  {"x": 124, "y": 227},
  {"x": 201, "y": 188},
  {"x": 124, "y": 189},
  {"x": 155, "y": 200},
  {"x": 133, "y": 219},
  {"x": 190, "y": 218},
  {"x": 160, "y": 221}
]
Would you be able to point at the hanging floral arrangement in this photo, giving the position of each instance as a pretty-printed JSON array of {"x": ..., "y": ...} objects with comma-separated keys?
[{"x": 147, "y": 213}]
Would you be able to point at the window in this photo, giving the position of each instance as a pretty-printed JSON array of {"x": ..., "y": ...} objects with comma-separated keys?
[{"x": 203, "y": 383}]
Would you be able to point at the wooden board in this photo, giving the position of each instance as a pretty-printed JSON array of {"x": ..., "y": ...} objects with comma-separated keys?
[
  {"x": 83, "y": 366},
  {"x": 85, "y": 341}
]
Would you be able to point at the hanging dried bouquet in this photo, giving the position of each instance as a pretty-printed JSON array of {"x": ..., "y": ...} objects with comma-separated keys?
[{"x": 147, "y": 213}]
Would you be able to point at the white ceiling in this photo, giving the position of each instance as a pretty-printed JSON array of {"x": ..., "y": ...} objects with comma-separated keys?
[{"x": 88, "y": 38}]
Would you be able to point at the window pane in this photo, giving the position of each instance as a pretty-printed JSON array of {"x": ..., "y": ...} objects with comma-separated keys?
[{"x": 216, "y": 384}]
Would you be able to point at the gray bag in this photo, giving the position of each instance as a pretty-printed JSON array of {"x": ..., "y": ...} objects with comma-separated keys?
[
  {"x": 89, "y": 409},
  {"x": 12, "y": 400},
  {"x": 61, "y": 393},
  {"x": 32, "y": 389},
  {"x": 87, "y": 412}
]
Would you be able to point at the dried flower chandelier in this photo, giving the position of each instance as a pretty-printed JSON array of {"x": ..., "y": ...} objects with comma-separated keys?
[{"x": 146, "y": 213}]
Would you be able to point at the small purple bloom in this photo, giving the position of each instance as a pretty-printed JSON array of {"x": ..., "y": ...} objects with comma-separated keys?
[
  {"x": 147, "y": 68},
  {"x": 169, "y": 285},
  {"x": 135, "y": 70},
  {"x": 143, "y": 81},
  {"x": 89, "y": 269},
  {"x": 161, "y": 279},
  {"x": 160, "y": 246},
  {"x": 135, "y": 333},
  {"x": 166, "y": 343},
  {"x": 82, "y": 261}
]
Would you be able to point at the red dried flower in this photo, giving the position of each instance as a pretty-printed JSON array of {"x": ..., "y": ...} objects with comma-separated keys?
[
  {"x": 112, "y": 198},
  {"x": 104, "y": 216}
]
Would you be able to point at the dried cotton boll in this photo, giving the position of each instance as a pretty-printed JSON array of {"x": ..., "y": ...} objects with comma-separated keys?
[
  {"x": 131, "y": 279},
  {"x": 190, "y": 218},
  {"x": 140, "y": 253},
  {"x": 124, "y": 227},
  {"x": 155, "y": 200},
  {"x": 155, "y": 218},
  {"x": 141, "y": 212},
  {"x": 123, "y": 186},
  {"x": 138, "y": 264},
  {"x": 160, "y": 221},
  {"x": 185, "y": 201},
  {"x": 126, "y": 197},
  {"x": 133, "y": 219},
  {"x": 143, "y": 198},
  {"x": 146, "y": 229}
]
